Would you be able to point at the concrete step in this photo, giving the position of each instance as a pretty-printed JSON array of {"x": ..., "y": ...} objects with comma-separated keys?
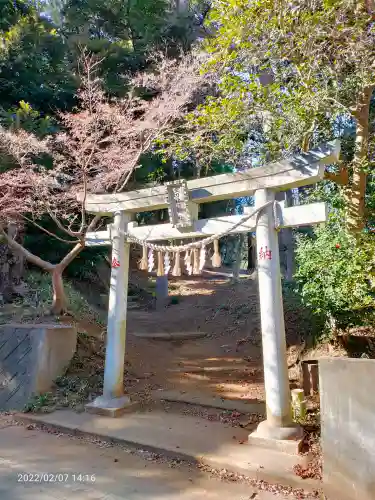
[
  {"x": 133, "y": 305},
  {"x": 186, "y": 437},
  {"x": 237, "y": 367},
  {"x": 202, "y": 399},
  {"x": 169, "y": 335},
  {"x": 133, "y": 298}
]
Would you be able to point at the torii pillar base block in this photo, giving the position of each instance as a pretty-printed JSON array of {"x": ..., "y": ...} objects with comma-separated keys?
[
  {"x": 111, "y": 407},
  {"x": 285, "y": 439}
]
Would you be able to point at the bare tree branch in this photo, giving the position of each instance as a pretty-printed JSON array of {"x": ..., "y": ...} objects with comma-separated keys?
[
  {"x": 53, "y": 235},
  {"x": 93, "y": 223},
  {"x": 34, "y": 259},
  {"x": 60, "y": 225},
  {"x": 69, "y": 257}
]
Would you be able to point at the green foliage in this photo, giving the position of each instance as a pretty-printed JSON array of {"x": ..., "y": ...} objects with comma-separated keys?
[
  {"x": 137, "y": 22},
  {"x": 124, "y": 34},
  {"x": 336, "y": 273},
  {"x": 38, "y": 403},
  {"x": 213, "y": 134},
  {"x": 41, "y": 45},
  {"x": 296, "y": 310},
  {"x": 53, "y": 8},
  {"x": 23, "y": 116},
  {"x": 174, "y": 300},
  {"x": 73, "y": 391},
  {"x": 40, "y": 293},
  {"x": 370, "y": 201},
  {"x": 287, "y": 73},
  {"x": 33, "y": 60},
  {"x": 26, "y": 117},
  {"x": 153, "y": 169},
  {"x": 290, "y": 75}
]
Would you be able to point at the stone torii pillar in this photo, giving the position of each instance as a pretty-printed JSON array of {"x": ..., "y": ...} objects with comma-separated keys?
[
  {"x": 114, "y": 401},
  {"x": 279, "y": 424}
]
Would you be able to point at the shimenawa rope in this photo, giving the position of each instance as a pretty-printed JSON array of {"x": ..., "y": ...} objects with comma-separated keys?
[{"x": 205, "y": 241}]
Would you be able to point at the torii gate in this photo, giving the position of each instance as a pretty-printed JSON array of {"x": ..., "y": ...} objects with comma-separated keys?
[{"x": 301, "y": 170}]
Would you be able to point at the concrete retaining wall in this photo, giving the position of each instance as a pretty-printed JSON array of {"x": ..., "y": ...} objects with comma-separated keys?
[
  {"x": 348, "y": 427},
  {"x": 31, "y": 358}
]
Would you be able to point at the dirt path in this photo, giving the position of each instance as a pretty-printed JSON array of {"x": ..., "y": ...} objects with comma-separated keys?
[{"x": 226, "y": 362}]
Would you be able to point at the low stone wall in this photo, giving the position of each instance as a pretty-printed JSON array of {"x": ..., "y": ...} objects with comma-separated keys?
[
  {"x": 31, "y": 358},
  {"x": 348, "y": 427}
]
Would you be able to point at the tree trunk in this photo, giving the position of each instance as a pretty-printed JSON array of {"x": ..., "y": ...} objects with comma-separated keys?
[
  {"x": 356, "y": 195},
  {"x": 60, "y": 301},
  {"x": 182, "y": 6},
  {"x": 4, "y": 273},
  {"x": 251, "y": 253},
  {"x": 11, "y": 266},
  {"x": 18, "y": 262},
  {"x": 289, "y": 243},
  {"x": 238, "y": 261},
  {"x": 290, "y": 256},
  {"x": 284, "y": 239}
]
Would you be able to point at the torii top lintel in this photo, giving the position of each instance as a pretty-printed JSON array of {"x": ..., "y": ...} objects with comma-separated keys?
[{"x": 300, "y": 170}]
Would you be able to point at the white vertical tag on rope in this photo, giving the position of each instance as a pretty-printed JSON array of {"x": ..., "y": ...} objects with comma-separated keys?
[
  {"x": 188, "y": 264},
  {"x": 167, "y": 263},
  {"x": 202, "y": 258},
  {"x": 151, "y": 260}
]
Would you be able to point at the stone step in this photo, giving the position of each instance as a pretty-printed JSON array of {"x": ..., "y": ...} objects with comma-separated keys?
[
  {"x": 169, "y": 335},
  {"x": 132, "y": 298},
  {"x": 211, "y": 401},
  {"x": 240, "y": 368},
  {"x": 133, "y": 305}
]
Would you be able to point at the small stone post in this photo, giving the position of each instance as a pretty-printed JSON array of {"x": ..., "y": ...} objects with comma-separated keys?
[
  {"x": 279, "y": 424},
  {"x": 161, "y": 291},
  {"x": 114, "y": 401},
  {"x": 298, "y": 404}
]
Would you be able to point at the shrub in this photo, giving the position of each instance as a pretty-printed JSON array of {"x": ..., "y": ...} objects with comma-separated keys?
[{"x": 335, "y": 274}]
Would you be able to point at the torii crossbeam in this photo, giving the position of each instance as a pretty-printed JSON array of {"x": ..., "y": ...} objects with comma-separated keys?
[{"x": 300, "y": 170}]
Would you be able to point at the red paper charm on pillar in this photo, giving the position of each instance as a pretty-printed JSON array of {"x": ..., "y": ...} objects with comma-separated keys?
[
  {"x": 265, "y": 253},
  {"x": 115, "y": 263}
]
